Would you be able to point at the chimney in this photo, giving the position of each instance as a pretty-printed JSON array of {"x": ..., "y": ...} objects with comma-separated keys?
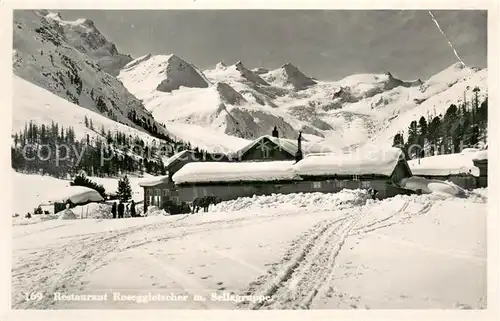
[
  {"x": 275, "y": 132},
  {"x": 298, "y": 155}
]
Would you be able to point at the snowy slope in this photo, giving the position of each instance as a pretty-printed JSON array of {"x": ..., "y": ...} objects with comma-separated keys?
[
  {"x": 430, "y": 253},
  {"x": 348, "y": 113},
  {"x": 33, "y": 103},
  {"x": 439, "y": 92},
  {"x": 45, "y": 56}
]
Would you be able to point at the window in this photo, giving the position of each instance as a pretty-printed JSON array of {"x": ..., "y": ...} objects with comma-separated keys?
[
  {"x": 157, "y": 192},
  {"x": 365, "y": 184},
  {"x": 166, "y": 192},
  {"x": 265, "y": 152},
  {"x": 339, "y": 184},
  {"x": 316, "y": 184}
]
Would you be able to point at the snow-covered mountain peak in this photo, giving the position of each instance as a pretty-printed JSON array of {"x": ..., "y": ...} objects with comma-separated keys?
[
  {"x": 164, "y": 73},
  {"x": 289, "y": 76},
  {"x": 220, "y": 65},
  {"x": 83, "y": 35},
  {"x": 239, "y": 65}
]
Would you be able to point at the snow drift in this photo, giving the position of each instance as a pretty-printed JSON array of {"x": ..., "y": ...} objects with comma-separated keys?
[
  {"x": 432, "y": 186},
  {"x": 155, "y": 211},
  {"x": 66, "y": 214},
  {"x": 297, "y": 201}
]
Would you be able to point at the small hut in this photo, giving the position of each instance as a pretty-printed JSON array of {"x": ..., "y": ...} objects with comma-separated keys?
[{"x": 468, "y": 169}]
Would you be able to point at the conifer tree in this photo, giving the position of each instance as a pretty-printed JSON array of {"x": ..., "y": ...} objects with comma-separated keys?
[{"x": 124, "y": 191}]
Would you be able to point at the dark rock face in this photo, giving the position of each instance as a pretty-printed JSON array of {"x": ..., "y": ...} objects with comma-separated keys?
[{"x": 180, "y": 73}]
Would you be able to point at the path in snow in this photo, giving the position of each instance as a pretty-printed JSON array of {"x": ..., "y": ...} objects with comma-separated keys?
[
  {"x": 322, "y": 259},
  {"x": 309, "y": 266}
]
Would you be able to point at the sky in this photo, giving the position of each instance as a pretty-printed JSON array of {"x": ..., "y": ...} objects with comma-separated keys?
[{"x": 325, "y": 44}]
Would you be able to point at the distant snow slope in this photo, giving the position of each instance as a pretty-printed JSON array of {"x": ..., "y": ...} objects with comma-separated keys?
[
  {"x": 348, "y": 113},
  {"x": 33, "y": 103}
]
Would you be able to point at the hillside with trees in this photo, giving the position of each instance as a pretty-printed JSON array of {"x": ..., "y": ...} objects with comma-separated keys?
[
  {"x": 462, "y": 126},
  {"x": 54, "y": 150}
]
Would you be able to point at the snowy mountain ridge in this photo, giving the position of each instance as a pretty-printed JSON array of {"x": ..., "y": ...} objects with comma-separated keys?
[
  {"x": 351, "y": 112},
  {"x": 230, "y": 100},
  {"x": 45, "y": 55}
]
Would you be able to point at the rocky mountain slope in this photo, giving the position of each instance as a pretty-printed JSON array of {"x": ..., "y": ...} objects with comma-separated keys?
[
  {"x": 73, "y": 60},
  {"x": 69, "y": 59}
]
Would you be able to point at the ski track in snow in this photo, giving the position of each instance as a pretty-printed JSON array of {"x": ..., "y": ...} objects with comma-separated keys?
[
  {"x": 74, "y": 258},
  {"x": 309, "y": 266},
  {"x": 303, "y": 279}
]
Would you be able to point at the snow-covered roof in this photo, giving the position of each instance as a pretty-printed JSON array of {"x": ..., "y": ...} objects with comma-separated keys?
[
  {"x": 153, "y": 181},
  {"x": 176, "y": 157},
  {"x": 233, "y": 172},
  {"x": 364, "y": 162},
  {"x": 361, "y": 162},
  {"x": 480, "y": 155},
  {"x": 77, "y": 195},
  {"x": 450, "y": 164}
]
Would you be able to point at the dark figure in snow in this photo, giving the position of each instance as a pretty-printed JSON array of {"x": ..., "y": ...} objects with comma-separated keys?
[
  {"x": 373, "y": 193},
  {"x": 204, "y": 202},
  {"x": 113, "y": 209},
  {"x": 28, "y": 215},
  {"x": 132, "y": 209},
  {"x": 121, "y": 209}
]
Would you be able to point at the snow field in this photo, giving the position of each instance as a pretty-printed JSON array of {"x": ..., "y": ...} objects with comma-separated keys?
[{"x": 308, "y": 264}]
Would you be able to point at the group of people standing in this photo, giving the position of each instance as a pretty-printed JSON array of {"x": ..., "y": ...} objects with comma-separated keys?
[{"x": 120, "y": 209}]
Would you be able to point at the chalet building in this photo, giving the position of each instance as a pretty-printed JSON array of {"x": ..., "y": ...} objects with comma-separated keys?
[
  {"x": 381, "y": 170},
  {"x": 159, "y": 189},
  {"x": 266, "y": 148},
  {"x": 468, "y": 169},
  {"x": 274, "y": 148}
]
